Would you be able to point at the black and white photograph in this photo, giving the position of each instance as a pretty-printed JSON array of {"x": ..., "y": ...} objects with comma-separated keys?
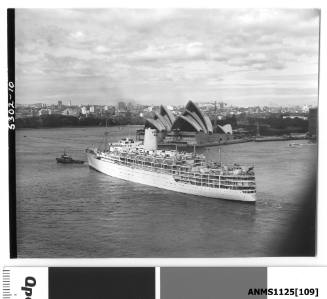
[{"x": 165, "y": 133}]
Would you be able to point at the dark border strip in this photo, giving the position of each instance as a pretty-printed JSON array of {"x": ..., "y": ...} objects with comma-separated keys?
[
  {"x": 11, "y": 131},
  {"x": 318, "y": 141},
  {"x": 101, "y": 282}
]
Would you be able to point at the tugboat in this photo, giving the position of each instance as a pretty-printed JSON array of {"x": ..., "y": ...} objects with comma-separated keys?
[
  {"x": 295, "y": 145},
  {"x": 66, "y": 159}
]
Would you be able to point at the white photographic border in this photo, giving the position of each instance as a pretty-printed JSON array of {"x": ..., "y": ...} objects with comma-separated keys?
[{"x": 319, "y": 260}]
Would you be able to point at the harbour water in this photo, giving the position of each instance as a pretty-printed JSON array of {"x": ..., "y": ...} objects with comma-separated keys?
[{"x": 73, "y": 211}]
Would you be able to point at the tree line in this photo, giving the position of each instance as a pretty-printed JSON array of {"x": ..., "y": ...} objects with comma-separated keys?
[{"x": 53, "y": 121}]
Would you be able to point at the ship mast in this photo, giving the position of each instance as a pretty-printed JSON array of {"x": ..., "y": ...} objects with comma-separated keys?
[
  {"x": 105, "y": 140},
  {"x": 219, "y": 151},
  {"x": 216, "y": 116}
]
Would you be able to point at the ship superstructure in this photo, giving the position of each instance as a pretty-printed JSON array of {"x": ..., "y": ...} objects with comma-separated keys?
[{"x": 173, "y": 170}]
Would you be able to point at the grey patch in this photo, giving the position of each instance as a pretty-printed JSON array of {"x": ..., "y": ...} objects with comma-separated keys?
[{"x": 212, "y": 283}]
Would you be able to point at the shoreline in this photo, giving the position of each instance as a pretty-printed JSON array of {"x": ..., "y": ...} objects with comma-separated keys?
[{"x": 234, "y": 141}]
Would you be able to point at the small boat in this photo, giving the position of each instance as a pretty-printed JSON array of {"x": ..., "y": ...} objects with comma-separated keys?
[
  {"x": 295, "y": 145},
  {"x": 66, "y": 159}
]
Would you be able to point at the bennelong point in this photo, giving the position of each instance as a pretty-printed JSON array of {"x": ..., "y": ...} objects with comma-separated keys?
[
  {"x": 209, "y": 144},
  {"x": 191, "y": 128}
]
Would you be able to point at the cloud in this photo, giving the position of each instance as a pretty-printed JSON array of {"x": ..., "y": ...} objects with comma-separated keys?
[
  {"x": 183, "y": 51},
  {"x": 77, "y": 35}
]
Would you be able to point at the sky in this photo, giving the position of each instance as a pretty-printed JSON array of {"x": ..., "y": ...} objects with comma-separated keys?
[{"x": 243, "y": 57}]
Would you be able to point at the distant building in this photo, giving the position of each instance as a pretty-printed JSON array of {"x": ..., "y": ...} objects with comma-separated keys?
[
  {"x": 84, "y": 110},
  {"x": 148, "y": 109},
  {"x": 72, "y": 111},
  {"x": 110, "y": 110},
  {"x": 34, "y": 112},
  {"x": 69, "y": 103},
  {"x": 222, "y": 105},
  {"x": 121, "y": 108},
  {"x": 130, "y": 106},
  {"x": 304, "y": 117},
  {"x": 313, "y": 122},
  {"x": 44, "y": 112},
  {"x": 92, "y": 109},
  {"x": 305, "y": 108},
  {"x": 59, "y": 104},
  {"x": 26, "y": 113},
  {"x": 55, "y": 111}
]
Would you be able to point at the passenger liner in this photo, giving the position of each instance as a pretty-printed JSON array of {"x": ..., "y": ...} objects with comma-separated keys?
[{"x": 188, "y": 173}]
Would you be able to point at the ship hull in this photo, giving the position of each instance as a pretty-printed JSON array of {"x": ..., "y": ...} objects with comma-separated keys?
[{"x": 164, "y": 181}]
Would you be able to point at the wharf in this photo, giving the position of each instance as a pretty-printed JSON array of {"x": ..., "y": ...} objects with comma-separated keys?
[
  {"x": 278, "y": 138},
  {"x": 185, "y": 145},
  {"x": 232, "y": 141}
]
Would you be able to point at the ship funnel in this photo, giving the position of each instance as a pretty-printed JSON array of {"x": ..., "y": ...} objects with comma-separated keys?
[{"x": 150, "y": 139}]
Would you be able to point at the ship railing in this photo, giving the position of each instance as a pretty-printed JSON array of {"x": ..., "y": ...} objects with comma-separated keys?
[
  {"x": 211, "y": 183},
  {"x": 249, "y": 191},
  {"x": 171, "y": 169},
  {"x": 182, "y": 157},
  {"x": 210, "y": 180},
  {"x": 149, "y": 167},
  {"x": 222, "y": 176},
  {"x": 132, "y": 161},
  {"x": 160, "y": 159},
  {"x": 239, "y": 187}
]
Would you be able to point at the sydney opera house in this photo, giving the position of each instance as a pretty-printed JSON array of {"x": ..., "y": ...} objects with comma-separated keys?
[{"x": 191, "y": 127}]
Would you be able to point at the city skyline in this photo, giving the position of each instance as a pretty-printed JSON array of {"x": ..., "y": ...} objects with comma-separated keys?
[
  {"x": 265, "y": 57},
  {"x": 68, "y": 103}
]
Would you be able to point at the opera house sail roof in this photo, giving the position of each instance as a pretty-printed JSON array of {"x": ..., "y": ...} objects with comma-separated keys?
[
  {"x": 192, "y": 119},
  {"x": 162, "y": 121}
]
